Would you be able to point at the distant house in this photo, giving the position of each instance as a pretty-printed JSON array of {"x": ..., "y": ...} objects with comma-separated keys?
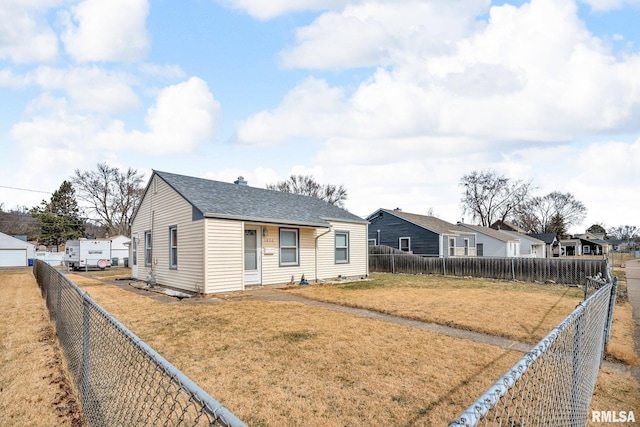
[
  {"x": 619, "y": 245},
  {"x": 584, "y": 244},
  {"x": 552, "y": 244},
  {"x": 15, "y": 252},
  {"x": 530, "y": 247},
  {"x": 494, "y": 243},
  {"x": 420, "y": 234},
  {"x": 208, "y": 236}
]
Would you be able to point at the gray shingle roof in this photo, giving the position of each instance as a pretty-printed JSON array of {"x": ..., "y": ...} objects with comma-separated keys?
[
  {"x": 429, "y": 222},
  {"x": 548, "y": 238},
  {"x": 498, "y": 235},
  {"x": 215, "y": 199}
]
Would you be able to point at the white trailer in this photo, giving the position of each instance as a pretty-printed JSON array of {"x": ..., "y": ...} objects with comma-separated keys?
[{"x": 87, "y": 253}]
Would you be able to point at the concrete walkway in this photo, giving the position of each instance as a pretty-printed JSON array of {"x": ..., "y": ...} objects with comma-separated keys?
[{"x": 633, "y": 289}]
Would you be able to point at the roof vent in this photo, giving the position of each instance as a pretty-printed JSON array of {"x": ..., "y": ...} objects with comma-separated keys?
[{"x": 240, "y": 181}]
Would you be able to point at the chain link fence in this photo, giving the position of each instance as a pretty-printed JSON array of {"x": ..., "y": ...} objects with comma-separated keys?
[
  {"x": 552, "y": 384},
  {"x": 566, "y": 271},
  {"x": 121, "y": 380}
]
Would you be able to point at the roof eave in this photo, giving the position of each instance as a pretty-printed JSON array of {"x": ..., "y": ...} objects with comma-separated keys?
[
  {"x": 266, "y": 220},
  {"x": 353, "y": 221}
]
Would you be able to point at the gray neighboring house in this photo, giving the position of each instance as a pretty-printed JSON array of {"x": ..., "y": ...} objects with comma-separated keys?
[
  {"x": 420, "y": 234},
  {"x": 207, "y": 236},
  {"x": 530, "y": 247},
  {"x": 494, "y": 243}
]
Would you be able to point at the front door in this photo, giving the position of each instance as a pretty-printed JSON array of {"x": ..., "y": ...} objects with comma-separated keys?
[
  {"x": 252, "y": 258},
  {"x": 134, "y": 255}
]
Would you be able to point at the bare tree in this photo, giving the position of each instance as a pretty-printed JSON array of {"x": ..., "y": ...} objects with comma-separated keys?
[
  {"x": 624, "y": 232},
  {"x": 308, "y": 186},
  {"x": 111, "y": 195},
  {"x": 18, "y": 221},
  {"x": 490, "y": 197},
  {"x": 554, "y": 213}
]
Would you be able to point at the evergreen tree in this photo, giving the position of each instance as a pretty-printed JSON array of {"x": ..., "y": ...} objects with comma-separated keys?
[
  {"x": 557, "y": 225},
  {"x": 59, "y": 219}
]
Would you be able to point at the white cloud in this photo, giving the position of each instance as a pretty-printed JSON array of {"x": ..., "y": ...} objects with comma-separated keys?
[
  {"x": 183, "y": 117},
  {"x": 311, "y": 109},
  {"x": 608, "y": 172},
  {"x": 532, "y": 73},
  {"x": 25, "y": 36},
  {"x": 166, "y": 71},
  {"x": 91, "y": 89},
  {"x": 604, "y": 5},
  {"x": 114, "y": 30},
  {"x": 9, "y": 79},
  {"x": 380, "y": 33},
  {"x": 264, "y": 10}
]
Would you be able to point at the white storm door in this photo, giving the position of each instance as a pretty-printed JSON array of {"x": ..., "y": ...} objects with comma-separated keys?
[
  {"x": 134, "y": 255},
  {"x": 252, "y": 258}
]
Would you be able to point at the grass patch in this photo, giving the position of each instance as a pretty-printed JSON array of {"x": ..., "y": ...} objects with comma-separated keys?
[
  {"x": 615, "y": 392},
  {"x": 520, "y": 311},
  {"x": 288, "y": 364},
  {"x": 34, "y": 387}
]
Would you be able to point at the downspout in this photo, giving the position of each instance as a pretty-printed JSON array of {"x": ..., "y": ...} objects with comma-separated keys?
[{"x": 317, "y": 237}]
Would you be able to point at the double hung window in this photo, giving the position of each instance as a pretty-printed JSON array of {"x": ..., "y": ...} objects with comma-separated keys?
[
  {"x": 342, "y": 247},
  {"x": 289, "y": 251}
]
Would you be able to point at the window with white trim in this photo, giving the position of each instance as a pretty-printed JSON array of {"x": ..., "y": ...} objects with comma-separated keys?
[
  {"x": 173, "y": 247},
  {"x": 452, "y": 246},
  {"x": 342, "y": 247},
  {"x": 466, "y": 247},
  {"x": 147, "y": 248},
  {"x": 134, "y": 249},
  {"x": 372, "y": 242},
  {"x": 404, "y": 244},
  {"x": 289, "y": 247}
]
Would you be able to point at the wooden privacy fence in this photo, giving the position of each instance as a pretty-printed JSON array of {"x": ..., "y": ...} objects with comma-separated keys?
[{"x": 384, "y": 259}]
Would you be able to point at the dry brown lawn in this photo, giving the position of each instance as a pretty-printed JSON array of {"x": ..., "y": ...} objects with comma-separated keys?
[
  {"x": 34, "y": 389},
  {"x": 616, "y": 392},
  {"x": 289, "y": 364},
  {"x": 520, "y": 311}
]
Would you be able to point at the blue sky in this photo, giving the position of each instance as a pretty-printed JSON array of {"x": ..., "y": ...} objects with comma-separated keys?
[{"x": 396, "y": 100}]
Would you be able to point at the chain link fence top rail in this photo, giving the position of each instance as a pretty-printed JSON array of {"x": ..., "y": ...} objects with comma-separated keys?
[
  {"x": 120, "y": 379},
  {"x": 568, "y": 271},
  {"x": 551, "y": 385}
]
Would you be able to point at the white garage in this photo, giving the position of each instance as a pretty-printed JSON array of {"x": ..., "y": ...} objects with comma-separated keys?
[{"x": 15, "y": 252}]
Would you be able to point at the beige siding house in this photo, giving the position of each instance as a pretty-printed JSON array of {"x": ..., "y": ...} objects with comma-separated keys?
[{"x": 207, "y": 236}]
